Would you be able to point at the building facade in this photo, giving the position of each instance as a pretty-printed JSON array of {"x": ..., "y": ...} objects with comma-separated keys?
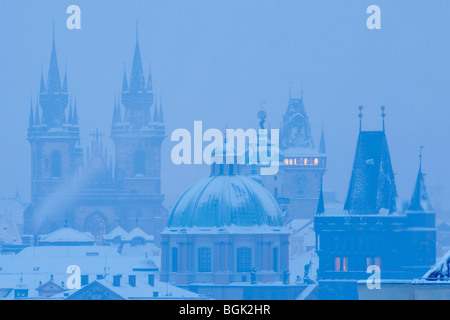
[
  {"x": 93, "y": 191},
  {"x": 370, "y": 231},
  {"x": 224, "y": 229},
  {"x": 296, "y": 186}
]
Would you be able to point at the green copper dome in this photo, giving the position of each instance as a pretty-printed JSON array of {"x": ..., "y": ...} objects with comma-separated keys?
[{"x": 224, "y": 201}]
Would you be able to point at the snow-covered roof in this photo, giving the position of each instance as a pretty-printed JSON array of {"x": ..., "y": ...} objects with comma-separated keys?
[
  {"x": 65, "y": 235},
  {"x": 12, "y": 207},
  {"x": 9, "y": 232},
  {"x": 440, "y": 271},
  {"x": 225, "y": 200},
  {"x": 36, "y": 265},
  {"x": 142, "y": 290},
  {"x": 297, "y": 224},
  {"x": 117, "y": 231},
  {"x": 233, "y": 229},
  {"x": 372, "y": 184}
]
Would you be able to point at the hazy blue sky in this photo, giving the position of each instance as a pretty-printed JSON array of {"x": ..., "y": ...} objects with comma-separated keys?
[{"x": 216, "y": 60}]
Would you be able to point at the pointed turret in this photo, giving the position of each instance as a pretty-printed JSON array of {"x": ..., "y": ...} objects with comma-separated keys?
[
  {"x": 420, "y": 200},
  {"x": 137, "y": 80},
  {"x": 53, "y": 100},
  {"x": 124, "y": 80},
  {"x": 75, "y": 113},
  {"x": 70, "y": 117},
  {"x": 155, "y": 112},
  {"x": 136, "y": 98},
  {"x": 372, "y": 184},
  {"x": 64, "y": 89},
  {"x": 53, "y": 79},
  {"x": 37, "y": 118},
  {"x": 31, "y": 120},
  {"x": 161, "y": 116},
  {"x": 320, "y": 204},
  {"x": 149, "y": 81},
  {"x": 42, "y": 85},
  {"x": 322, "y": 147},
  {"x": 296, "y": 131},
  {"x": 117, "y": 118}
]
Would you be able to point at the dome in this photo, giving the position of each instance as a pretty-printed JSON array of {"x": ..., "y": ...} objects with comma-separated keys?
[{"x": 224, "y": 201}]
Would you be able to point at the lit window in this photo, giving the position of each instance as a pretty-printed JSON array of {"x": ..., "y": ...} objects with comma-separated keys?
[
  {"x": 290, "y": 162},
  {"x": 345, "y": 264},
  {"x": 286, "y": 161},
  {"x": 337, "y": 264},
  {"x": 316, "y": 162},
  {"x": 204, "y": 260},
  {"x": 295, "y": 161},
  {"x": 306, "y": 161}
]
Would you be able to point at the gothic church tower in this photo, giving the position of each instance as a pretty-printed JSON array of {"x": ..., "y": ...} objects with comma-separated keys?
[{"x": 54, "y": 137}]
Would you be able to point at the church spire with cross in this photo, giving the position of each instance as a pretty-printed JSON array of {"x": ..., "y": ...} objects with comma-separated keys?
[
  {"x": 53, "y": 98},
  {"x": 420, "y": 201},
  {"x": 136, "y": 96}
]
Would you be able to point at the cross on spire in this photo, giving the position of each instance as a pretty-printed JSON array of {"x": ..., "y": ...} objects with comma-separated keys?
[
  {"x": 360, "y": 115},
  {"x": 383, "y": 115}
]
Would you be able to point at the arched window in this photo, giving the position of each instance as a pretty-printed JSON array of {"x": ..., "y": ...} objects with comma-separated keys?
[
  {"x": 56, "y": 164},
  {"x": 174, "y": 259},
  {"x": 204, "y": 260},
  {"x": 244, "y": 259},
  {"x": 139, "y": 162}
]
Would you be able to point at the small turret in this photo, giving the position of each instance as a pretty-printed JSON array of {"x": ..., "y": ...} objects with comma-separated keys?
[{"x": 31, "y": 120}]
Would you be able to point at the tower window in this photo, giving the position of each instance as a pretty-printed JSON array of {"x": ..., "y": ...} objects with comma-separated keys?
[
  {"x": 204, "y": 260},
  {"x": 56, "y": 164},
  {"x": 244, "y": 259},
  {"x": 337, "y": 264},
  {"x": 174, "y": 259},
  {"x": 139, "y": 162},
  {"x": 316, "y": 161},
  {"x": 345, "y": 264}
]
